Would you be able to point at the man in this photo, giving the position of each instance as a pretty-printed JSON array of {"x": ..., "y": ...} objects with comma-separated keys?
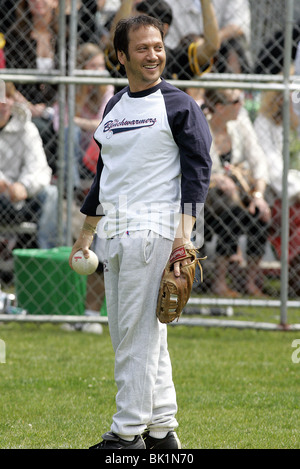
[{"x": 154, "y": 163}]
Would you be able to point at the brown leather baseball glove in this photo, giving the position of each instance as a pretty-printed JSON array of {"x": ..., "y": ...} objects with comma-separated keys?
[{"x": 174, "y": 291}]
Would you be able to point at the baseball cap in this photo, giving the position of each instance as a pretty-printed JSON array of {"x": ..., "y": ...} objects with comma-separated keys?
[{"x": 156, "y": 8}]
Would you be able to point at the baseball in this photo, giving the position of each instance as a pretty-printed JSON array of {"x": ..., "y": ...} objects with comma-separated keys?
[{"x": 84, "y": 266}]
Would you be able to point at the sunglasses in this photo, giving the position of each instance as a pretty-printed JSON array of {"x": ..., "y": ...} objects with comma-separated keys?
[{"x": 236, "y": 101}]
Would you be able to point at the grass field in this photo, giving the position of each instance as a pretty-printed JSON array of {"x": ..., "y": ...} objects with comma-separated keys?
[{"x": 235, "y": 388}]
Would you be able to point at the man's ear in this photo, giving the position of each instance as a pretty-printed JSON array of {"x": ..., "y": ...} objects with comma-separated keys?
[{"x": 121, "y": 57}]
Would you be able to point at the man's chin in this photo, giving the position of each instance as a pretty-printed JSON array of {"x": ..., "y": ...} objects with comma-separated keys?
[{"x": 152, "y": 77}]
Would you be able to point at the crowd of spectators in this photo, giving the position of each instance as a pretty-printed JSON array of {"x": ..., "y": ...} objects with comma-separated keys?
[
  {"x": 200, "y": 36},
  {"x": 230, "y": 212}
]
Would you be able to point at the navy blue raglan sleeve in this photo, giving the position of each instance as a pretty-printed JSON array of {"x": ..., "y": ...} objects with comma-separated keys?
[
  {"x": 192, "y": 135},
  {"x": 91, "y": 205}
]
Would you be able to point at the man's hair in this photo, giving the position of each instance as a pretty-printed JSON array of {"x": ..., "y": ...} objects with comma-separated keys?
[
  {"x": 121, "y": 38},
  {"x": 157, "y": 9}
]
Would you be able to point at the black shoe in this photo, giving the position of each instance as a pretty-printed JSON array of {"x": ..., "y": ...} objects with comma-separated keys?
[
  {"x": 113, "y": 441},
  {"x": 171, "y": 441}
]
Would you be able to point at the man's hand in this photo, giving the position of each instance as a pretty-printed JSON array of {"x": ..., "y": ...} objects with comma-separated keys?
[
  {"x": 182, "y": 238},
  {"x": 83, "y": 242},
  {"x": 85, "y": 237},
  {"x": 17, "y": 192}
]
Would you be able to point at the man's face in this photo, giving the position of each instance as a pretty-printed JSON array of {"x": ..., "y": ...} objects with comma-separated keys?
[{"x": 146, "y": 58}]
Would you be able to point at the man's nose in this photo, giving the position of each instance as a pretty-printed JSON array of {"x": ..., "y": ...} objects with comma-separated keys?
[{"x": 152, "y": 53}]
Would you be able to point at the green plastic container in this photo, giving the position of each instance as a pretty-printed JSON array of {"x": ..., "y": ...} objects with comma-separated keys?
[
  {"x": 45, "y": 283},
  {"x": 103, "y": 310}
]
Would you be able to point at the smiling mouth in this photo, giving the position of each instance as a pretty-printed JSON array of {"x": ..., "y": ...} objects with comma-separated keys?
[{"x": 151, "y": 67}]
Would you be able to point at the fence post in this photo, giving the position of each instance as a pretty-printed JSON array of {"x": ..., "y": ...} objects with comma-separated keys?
[
  {"x": 61, "y": 138},
  {"x": 71, "y": 113},
  {"x": 286, "y": 163}
]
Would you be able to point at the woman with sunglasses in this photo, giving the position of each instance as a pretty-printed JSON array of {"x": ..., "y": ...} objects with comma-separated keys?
[{"x": 236, "y": 205}]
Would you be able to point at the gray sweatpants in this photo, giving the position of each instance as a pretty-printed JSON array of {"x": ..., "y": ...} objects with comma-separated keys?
[{"x": 145, "y": 391}]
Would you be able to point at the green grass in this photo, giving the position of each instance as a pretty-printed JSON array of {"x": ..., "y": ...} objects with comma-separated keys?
[{"x": 235, "y": 388}]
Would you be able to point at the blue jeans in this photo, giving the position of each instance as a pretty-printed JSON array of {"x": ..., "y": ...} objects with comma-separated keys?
[
  {"x": 47, "y": 223},
  {"x": 40, "y": 209}
]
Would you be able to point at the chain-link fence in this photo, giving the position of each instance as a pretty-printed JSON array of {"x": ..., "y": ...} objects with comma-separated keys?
[{"x": 63, "y": 69}]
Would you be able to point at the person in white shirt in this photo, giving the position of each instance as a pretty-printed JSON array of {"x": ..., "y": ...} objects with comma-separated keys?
[
  {"x": 269, "y": 129},
  {"x": 234, "y": 21},
  {"x": 25, "y": 176},
  {"x": 236, "y": 205}
]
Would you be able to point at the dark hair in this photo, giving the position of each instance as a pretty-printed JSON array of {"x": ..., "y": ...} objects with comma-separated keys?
[
  {"x": 157, "y": 9},
  {"x": 214, "y": 96},
  {"x": 121, "y": 38}
]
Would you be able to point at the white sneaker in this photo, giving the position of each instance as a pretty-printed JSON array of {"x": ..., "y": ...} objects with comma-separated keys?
[{"x": 92, "y": 328}]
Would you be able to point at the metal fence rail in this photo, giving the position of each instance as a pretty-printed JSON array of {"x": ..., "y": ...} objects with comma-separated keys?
[{"x": 66, "y": 77}]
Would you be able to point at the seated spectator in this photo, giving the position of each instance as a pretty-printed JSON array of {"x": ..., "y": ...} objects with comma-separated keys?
[
  {"x": 193, "y": 55},
  {"x": 31, "y": 44},
  {"x": 86, "y": 20},
  {"x": 270, "y": 58},
  {"x": 90, "y": 103},
  {"x": 269, "y": 129},
  {"x": 26, "y": 194},
  {"x": 234, "y": 23},
  {"x": 235, "y": 203},
  {"x": 106, "y": 10},
  {"x": 296, "y": 94}
]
